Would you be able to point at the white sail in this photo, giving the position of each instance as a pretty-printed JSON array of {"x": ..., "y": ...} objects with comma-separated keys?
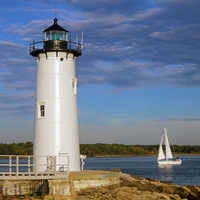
[
  {"x": 161, "y": 154},
  {"x": 168, "y": 149},
  {"x": 168, "y": 160}
]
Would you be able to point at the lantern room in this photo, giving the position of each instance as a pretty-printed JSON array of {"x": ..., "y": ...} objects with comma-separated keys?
[
  {"x": 55, "y": 32},
  {"x": 56, "y": 40}
]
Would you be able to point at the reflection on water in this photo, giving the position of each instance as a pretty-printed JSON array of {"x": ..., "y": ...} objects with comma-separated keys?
[{"x": 166, "y": 172}]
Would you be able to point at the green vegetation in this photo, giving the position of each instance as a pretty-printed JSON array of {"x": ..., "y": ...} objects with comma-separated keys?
[
  {"x": 16, "y": 149},
  {"x": 93, "y": 150}
]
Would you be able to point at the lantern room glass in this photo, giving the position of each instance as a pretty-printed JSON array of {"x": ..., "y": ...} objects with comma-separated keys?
[{"x": 56, "y": 35}]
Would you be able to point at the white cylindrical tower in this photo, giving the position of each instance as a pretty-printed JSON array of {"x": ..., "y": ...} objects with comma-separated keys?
[{"x": 56, "y": 119}]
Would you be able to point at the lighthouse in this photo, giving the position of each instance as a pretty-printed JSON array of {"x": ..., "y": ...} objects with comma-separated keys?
[{"x": 56, "y": 119}]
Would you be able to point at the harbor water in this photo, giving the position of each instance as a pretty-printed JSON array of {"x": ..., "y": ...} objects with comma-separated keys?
[{"x": 146, "y": 167}]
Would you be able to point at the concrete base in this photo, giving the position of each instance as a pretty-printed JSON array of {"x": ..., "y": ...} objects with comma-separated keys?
[
  {"x": 59, "y": 197},
  {"x": 66, "y": 189}
]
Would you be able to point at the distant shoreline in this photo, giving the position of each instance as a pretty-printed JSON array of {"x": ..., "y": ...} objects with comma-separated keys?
[
  {"x": 105, "y": 150},
  {"x": 110, "y": 156}
]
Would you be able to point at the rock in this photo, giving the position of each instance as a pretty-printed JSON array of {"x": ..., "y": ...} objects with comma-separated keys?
[
  {"x": 194, "y": 189},
  {"x": 168, "y": 189},
  {"x": 136, "y": 177},
  {"x": 185, "y": 192},
  {"x": 153, "y": 180},
  {"x": 136, "y": 188},
  {"x": 175, "y": 197},
  {"x": 124, "y": 193},
  {"x": 146, "y": 195}
]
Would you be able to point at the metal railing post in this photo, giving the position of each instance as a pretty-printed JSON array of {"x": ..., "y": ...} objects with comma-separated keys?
[
  {"x": 35, "y": 165},
  {"x": 55, "y": 165},
  {"x": 68, "y": 164},
  {"x": 29, "y": 163},
  {"x": 17, "y": 165},
  {"x": 10, "y": 165}
]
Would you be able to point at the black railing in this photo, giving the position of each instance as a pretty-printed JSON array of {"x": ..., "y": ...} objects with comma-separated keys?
[{"x": 55, "y": 45}]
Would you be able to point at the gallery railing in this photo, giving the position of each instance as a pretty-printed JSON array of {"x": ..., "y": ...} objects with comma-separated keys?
[{"x": 55, "y": 45}]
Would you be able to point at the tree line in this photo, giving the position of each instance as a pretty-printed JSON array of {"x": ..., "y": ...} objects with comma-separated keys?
[
  {"x": 99, "y": 149},
  {"x": 16, "y": 149}
]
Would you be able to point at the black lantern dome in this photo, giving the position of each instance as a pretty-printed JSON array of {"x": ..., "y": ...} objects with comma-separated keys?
[
  {"x": 55, "y": 26},
  {"x": 56, "y": 39}
]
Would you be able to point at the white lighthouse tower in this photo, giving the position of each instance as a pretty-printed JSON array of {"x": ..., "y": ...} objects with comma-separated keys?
[{"x": 56, "y": 120}]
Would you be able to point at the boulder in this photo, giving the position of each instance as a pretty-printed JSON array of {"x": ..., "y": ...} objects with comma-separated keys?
[
  {"x": 195, "y": 189},
  {"x": 185, "y": 192},
  {"x": 168, "y": 189}
]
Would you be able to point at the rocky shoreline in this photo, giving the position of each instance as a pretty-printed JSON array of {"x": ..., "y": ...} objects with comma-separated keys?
[
  {"x": 105, "y": 185},
  {"x": 136, "y": 188}
]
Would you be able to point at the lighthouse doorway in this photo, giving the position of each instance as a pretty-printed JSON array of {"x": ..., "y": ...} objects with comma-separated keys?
[{"x": 63, "y": 161}]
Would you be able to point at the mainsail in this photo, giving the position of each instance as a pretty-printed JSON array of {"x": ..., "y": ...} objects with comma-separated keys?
[
  {"x": 168, "y": 159},
  {"x": 161, "y": 154},
  {"x": 168, "y": 150}
]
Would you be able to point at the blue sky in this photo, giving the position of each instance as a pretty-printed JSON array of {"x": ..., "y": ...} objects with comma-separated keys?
[{"x": 139, "y": 72}]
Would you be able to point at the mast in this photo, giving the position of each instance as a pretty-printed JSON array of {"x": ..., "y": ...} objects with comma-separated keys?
[
  {"x": 168, "y": 149},
  {"x": 161, "y": 154}
]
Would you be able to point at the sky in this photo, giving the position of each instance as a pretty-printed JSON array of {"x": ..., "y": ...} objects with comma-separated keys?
[{"x": 139, "y": 72}]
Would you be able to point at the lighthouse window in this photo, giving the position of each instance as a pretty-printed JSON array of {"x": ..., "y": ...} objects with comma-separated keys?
[
  {"x": 42, "y": 110},
  {"x": 47, "y": 36},
  {"x": 55, "y": 35}
]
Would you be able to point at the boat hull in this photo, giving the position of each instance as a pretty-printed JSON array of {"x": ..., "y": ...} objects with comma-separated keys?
[{"x": 169, "y": 162}]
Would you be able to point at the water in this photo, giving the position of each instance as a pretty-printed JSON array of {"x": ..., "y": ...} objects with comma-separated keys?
[
  {"x": 146, "y": 167},
  {"x": 23, "y": 162}
]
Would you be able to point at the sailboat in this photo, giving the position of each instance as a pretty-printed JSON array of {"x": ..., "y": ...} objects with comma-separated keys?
[{"x": 168, "y": 159}]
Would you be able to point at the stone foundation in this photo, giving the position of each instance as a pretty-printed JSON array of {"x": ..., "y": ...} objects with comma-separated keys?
[
  {"x": 60, "y": 188},
  {"x": 23, "y": 187},
  {"x": 77, "y": 181}
]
